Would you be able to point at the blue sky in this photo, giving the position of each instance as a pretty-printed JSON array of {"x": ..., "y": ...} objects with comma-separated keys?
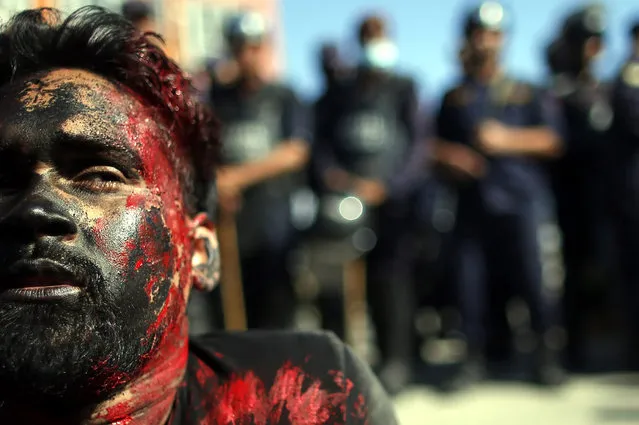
[{"x": 427, "y": 34}]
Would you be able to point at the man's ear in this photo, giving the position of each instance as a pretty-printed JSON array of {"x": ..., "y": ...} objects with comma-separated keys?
[{"x": 205, "y": 263}]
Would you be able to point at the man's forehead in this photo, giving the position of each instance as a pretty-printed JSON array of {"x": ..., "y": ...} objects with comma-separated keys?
[
  {"x": 76, "y": 102},
  {"x": 41, "y": 91}
]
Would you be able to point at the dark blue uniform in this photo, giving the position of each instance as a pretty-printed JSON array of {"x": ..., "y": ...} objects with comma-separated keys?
[
  {"x": 580, "y": 188},
  {"x": 368, "y": 131},
  {"x": 500, "y": 216},
  {"x": 254, "y": 123},
  {"x": 625, "y": 190}
]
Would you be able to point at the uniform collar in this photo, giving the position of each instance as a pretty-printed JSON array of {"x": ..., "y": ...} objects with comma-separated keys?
[{"x": 476, "y": 83}]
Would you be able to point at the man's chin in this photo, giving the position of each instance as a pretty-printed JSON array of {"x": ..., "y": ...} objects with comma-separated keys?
[{"x": 64, "y": 356}]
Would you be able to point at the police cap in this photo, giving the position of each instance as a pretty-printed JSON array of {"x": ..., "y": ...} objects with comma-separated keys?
[
  {"x": 585, "y": 23},
  {"x": 371, "y": 27},
  {"x": 137, "y": 10},
  {"x": 488, "y": 15},
  {"x": 246, "y": 27}
]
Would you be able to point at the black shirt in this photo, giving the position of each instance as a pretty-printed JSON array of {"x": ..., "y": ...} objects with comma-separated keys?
[
  {"x": 254, "y": 124},
  {"x": 277, "y": 378},
  {"x": 367, "y": 127}
]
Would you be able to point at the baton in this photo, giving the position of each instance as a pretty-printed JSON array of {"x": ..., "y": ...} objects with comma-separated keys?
[
  {"x": 231, "y": 278},
  {"x": 355, "y": 301}
]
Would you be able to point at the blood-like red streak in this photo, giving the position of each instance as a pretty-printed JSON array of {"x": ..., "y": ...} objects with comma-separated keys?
[
  {"x": 154, "y": 389},
  {"x": 135, "y": 200},
  {"x": 244, "y": 400}
]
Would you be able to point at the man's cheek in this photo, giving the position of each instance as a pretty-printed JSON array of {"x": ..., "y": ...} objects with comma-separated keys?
[
  {"x": 137, "y": 244},
  {"x": 116, "y": 238}
]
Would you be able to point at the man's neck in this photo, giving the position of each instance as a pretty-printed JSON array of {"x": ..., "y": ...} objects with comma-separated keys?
[
  {"x": 146, "y": 401},
  {"x": 486, "y": 73},
  {"x": 250, "y": 82}
]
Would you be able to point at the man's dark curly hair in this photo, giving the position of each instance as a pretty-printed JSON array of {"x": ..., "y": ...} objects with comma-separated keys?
[{"x": 108, "y": 45}]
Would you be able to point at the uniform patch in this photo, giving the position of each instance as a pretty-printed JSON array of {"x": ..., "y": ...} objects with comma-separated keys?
[
  {"x": 365, "y": 132},
  {"x": 247, "y": 141}
]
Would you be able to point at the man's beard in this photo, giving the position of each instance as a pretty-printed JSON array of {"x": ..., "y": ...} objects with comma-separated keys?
[{"x": 65, "y": 356}]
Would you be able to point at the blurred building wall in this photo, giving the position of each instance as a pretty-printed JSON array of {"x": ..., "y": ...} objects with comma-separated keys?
[{"x": 192, "y": 28}]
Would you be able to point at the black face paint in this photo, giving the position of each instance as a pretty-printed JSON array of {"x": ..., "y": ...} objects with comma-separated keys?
[{"x": 89, "y": 206}]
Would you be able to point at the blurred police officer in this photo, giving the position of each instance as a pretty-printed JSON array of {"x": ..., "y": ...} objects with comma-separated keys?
[
  {"x": 492, "y": 130},
  {"x": 140, "y": 13},
  {"x": 579, "y": 175},
  {"x": 625, "y": 184},
  {"x": 265, "y": 145},
  {"x": 334, "y": 72},
  {"x": 370, "y": 126}
]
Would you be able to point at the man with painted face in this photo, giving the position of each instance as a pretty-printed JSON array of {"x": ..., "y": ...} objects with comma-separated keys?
[
  {"x": 625, "y": 187},
  {"x": 361, "y": 148},
  {"x": 265, "y": 146},
  {"x": 491, "y": 130},
  {"x": 104, "y": 152},
  {"x": 578, "y": 177}
]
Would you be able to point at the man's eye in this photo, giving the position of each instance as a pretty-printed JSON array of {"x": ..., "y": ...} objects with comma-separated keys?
[{"x": 100, "y": 179}]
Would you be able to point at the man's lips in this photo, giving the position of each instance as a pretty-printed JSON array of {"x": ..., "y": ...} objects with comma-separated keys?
[{"x": 38, "y": 273}]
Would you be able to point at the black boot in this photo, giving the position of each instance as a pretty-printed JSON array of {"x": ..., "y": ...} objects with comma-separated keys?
[{"x": 547, "y": 369}]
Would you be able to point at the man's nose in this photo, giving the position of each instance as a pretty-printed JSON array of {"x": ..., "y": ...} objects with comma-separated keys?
[{"x": 37, "y": 216}]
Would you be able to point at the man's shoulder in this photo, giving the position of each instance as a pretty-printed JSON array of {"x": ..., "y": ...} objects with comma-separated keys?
[
  {"x": 287, "y": 367},
  {"x": 272, "y": 347},
  {"x": 268, "y": 337},
  {"x": 223, "y": 90},
  {"x": 403, "y": 80},
  {"x": 456, "y": 94}
]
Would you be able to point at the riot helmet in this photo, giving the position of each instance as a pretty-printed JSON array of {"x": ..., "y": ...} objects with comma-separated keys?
[
  {"x": 245, "y": 28},
  {"x": 488, "y": 15}
]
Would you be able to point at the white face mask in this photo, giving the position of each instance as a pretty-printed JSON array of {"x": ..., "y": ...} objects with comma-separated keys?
[{"x": 379, "y": 54}]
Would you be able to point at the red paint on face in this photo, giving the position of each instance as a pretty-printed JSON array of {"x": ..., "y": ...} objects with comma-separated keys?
[
  {"x": 171, "y": 264},
  {"x": 120, "y": 258},
  {"x": 135, "y": 200},
  {"x": 121, "y": 412},
  {"x": 98, "y": 230},
  {"x": 244, "y": 400},
  {"x": 166, "y": 259},
  {"x": 151, "y": 286}
]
